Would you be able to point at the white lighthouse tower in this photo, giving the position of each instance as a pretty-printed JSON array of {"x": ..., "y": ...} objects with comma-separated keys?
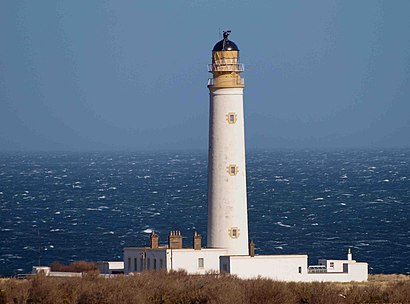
[{"x": 227, "y": 195}]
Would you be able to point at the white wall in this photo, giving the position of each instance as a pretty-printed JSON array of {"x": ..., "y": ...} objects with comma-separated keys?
[
  {"x": 337, "y": 264},
  {"x": 109, "y": 267},
  {"x": 227, "y": 196},
  {"x": 357, "y": 272},
  {"x": 286, "y": 268},
  {"x": 133, "y": 255},
  {"x": 187, "y": 259},
  {"x": 175, "y": 259},
  {"x": 276, "y": 267}
]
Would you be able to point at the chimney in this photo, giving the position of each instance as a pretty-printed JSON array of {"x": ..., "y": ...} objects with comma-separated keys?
[
  {"x": 349, "y": 254},
  {"x": 251, "y": 248},
  {"x": 175, "y": 240},
  {"x": 154, "y": 240},
  {"x": 197, "y": 241}
]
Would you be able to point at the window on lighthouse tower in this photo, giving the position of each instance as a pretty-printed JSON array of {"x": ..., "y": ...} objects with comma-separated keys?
[
  {"x": 232, "y": 169},
  {"x": 231, "y": 117},
  {"x": 234, "y": 232}
]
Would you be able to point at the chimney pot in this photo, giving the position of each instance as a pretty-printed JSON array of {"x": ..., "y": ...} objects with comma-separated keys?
[{"x": 175, "y": 240}]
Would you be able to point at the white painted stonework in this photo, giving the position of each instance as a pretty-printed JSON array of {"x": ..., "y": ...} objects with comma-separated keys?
[
  {"x": 227, "y": 201},
  {"x": 186, "y": 259},
  {"x": 111, "y": 267},
  {"x": 291, "y": 268}
]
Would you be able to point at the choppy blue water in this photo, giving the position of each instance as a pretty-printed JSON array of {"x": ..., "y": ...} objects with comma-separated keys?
[{"x": 65, "y": 207}]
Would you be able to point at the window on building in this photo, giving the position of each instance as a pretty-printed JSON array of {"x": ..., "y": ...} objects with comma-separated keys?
[
  {"x": 300, "y": 269},
  {"x": 129, "y": 264},
  {"x": 200, "y": 262},
  {"x": 225, "y": 268},
  {"x": 332, "y": 265},
  {"x": 135, "y": 264},
  {"x": 155, "y": 264},
  {"x": 148, "y": 263},
  {"x": 161, "y": 264},
  {"x": 141, "y": 264}
]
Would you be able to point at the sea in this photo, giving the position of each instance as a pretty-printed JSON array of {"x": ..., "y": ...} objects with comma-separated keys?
[{"x": 88, "y": 206}]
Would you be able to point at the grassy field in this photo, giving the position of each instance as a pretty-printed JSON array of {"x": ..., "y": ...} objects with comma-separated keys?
[{"x": 178, "y": 287}]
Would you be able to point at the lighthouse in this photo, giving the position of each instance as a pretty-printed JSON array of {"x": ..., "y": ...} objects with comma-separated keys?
[
  {"x": 227, "y": 249},
  {"x": 227, "y": 195}
]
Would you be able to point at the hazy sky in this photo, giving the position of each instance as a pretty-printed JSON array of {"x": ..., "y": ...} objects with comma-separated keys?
[{"x": 132, "y": 75}]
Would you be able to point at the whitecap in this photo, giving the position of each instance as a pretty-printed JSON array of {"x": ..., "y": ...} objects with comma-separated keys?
[
  {"x": 11, "y": 256},
  {"x": 342, "y": 204},
  {"x": 57, "y": 212},
  {"x": 279, "y": 247},
  {"x": 283, "y": 225},
  {"x": 101, "y": 197},
  {"x": 148, "y": 230},
  {"x": 318, "y": 199},
  {"x": 315, "y": 224},
  {"x": 386, "y": 180}
]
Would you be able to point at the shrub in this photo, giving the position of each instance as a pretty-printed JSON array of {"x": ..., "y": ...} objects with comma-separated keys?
[{"x": 178, "y": 287}]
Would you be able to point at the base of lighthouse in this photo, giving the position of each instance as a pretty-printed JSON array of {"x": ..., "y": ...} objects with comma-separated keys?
[{"x": 198, "y": 260}]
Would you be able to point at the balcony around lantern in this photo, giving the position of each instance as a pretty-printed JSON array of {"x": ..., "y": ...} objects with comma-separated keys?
[
  {"x": 226, "y": 65},
  {"x": 226, "y": 82}
]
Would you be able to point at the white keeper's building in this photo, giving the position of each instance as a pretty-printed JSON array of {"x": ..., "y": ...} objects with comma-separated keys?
[{"x": 229, "y": 249}]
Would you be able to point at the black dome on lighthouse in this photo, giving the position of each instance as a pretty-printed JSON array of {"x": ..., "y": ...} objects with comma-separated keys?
[{"x": 225, "y": 44}]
